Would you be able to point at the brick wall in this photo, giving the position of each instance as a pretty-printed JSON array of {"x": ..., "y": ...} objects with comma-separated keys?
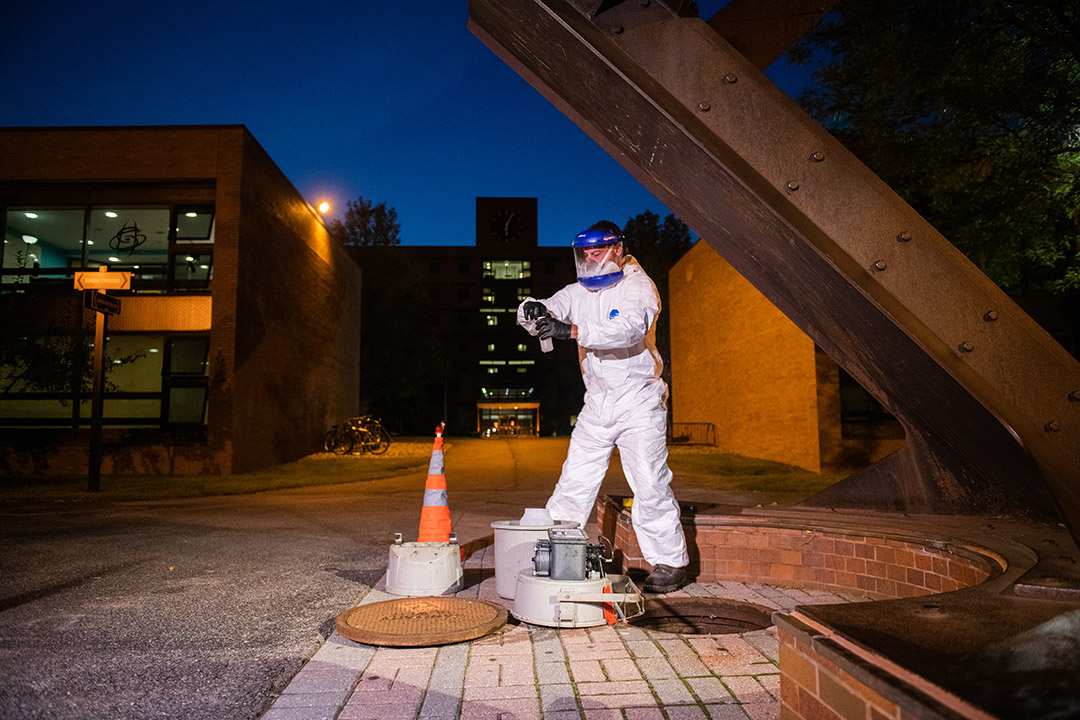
[
  {"x": 813, "y": 688},
  {"x": 877, "y": 567},
  {"x": 296, "y": 323},
  {"x": 738, "y": 363}
]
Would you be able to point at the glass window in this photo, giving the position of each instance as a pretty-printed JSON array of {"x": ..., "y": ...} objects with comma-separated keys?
[
  {"x": 194, "y": 225},
  {"x": 163, "y": 248},
  {"x": 37, "y": 239},
  {"x": 137, "y": 362},
  {"x": 187, "y": 405},
  {"x": 185, "y": 382},
  {"x": 507, "y": 269},
  {"x": 188, "y": 356},
  {"x": 129, "y": 236},
  {"x": 192, "y": 270},
  {"x": 150, "y": 380}
]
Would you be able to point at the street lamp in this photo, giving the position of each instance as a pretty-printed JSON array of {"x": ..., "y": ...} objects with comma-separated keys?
[{"x": 324, "y": 207}]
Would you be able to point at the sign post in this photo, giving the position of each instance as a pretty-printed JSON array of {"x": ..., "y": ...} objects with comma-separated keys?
[{"x": 94, "y": 285}]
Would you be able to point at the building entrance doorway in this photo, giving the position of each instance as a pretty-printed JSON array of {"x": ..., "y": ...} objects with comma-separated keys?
[{"x": 494, "y": 419}]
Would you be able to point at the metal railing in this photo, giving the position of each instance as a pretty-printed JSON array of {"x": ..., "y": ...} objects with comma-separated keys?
[{"x": 693, "y": 433}]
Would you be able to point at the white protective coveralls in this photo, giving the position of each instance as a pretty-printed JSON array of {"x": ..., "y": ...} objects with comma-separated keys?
[{"x": 625, "y": 406}]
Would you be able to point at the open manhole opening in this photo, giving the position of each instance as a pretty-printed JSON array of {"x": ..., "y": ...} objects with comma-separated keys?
[{"x": 702, "y": 616}]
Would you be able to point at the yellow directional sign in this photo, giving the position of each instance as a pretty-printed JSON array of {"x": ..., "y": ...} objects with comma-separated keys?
[{"x": 85, "y": 280}]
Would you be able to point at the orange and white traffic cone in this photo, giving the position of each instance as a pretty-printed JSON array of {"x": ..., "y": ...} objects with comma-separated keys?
[{"x": 435, "y": 515}]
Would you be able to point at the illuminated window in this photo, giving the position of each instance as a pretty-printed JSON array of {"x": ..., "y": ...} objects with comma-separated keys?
[
  {"x": 493, "y": 371},
  {"x": 491, "y": 347},
  {"x": 165, "y": 249},
  {"x": 492, "y": 319},
  {"x": 194, "y": 225},
  {"x": 507, "y": 269},
  {"x": 521, "y": 347}
]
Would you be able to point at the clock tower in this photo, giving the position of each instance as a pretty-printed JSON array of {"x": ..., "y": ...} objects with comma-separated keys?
[{"x": 507, "y": 223}]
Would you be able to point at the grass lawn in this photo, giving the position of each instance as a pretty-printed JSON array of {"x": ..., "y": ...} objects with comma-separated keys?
[
  {"x": 318, "y": 469},
  {"x": 729, "y": 472},
  {"x": 741, "y": 473}
]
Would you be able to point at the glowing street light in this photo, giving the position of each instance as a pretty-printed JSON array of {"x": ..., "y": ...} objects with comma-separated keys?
[{"x": 324, "y": 207}]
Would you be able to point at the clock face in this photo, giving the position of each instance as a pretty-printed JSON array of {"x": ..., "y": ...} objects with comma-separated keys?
[{"x": 506, "y": 226}]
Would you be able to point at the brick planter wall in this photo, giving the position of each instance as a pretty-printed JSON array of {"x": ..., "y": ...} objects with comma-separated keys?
[
  {"x": 748, "y": 550},
  {"x": 813, "y": 687},
  {"x": 819, "y": 680}
]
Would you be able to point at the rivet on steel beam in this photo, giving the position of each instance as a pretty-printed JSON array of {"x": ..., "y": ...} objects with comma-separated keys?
[
  {"x": 965, "y": 346},
  {"x": 990, "y": 316},
  {"x": 792, "y": 185},
  {"x": 1052, "y": 426},
  {"x": 818, "y": 156},
  {"x": 704, "y": 106},
  {"x": 880, "y": 265},
  {"x": 903, "y": 236},
  {"x": 931, "y": 611},
  {"x": 1074, "y": 396},
  {"x": 731, "y": 78},
  {"x": 643, "y": 3},
  {"x": 617, "y": 29}
]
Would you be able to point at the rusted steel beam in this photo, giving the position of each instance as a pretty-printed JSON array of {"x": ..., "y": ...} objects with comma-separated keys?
[{"x": 990, "y": 403}]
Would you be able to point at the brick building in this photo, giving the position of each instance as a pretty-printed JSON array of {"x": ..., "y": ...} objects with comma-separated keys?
[
  {"x": 737, "y": 362},
  {"x": 500, "y": 381},
  {"x": 241, "y": 323}
]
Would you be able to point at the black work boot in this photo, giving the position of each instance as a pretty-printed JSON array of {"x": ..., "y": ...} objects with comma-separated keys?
[{"x": 665, "y": 579}]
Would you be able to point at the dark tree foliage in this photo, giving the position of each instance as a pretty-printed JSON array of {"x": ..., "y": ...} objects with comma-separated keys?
[
  {"x": 970, "y": 110},
  {"x": 366, "y": 225},
  {"x": 658, "y": 246}
]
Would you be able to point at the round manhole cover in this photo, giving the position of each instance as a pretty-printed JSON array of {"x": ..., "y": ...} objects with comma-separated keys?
[
  {"x": 702, "y": 616},
  {"x": 420, "y": 621}
]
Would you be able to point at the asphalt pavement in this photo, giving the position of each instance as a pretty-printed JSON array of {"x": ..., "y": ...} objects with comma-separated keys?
[{"x": 207, "y": 608}]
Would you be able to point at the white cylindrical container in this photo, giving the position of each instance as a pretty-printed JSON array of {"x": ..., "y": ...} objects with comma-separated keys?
[
  {"x": 514, "y": 547},
  {"x": 419, "y": 569},
  {"x": 537, "y": 602}
]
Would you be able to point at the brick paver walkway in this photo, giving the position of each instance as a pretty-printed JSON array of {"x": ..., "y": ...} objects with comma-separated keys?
[{"x": 524, "y": 671}]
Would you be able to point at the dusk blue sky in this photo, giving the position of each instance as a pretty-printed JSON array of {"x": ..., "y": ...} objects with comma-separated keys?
[{"x": 398, "y": 103}]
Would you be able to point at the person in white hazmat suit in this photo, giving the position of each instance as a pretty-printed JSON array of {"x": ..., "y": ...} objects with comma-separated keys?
[{"x": 611, "y": 312}]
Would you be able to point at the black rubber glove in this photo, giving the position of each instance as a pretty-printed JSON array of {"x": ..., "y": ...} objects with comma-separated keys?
[
  {"x": 551, "y": 328},
  {"x": 534, "y": 310}
]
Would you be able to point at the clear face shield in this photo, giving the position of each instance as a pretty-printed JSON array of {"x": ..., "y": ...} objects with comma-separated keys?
[{"x": 598, "y": 266}]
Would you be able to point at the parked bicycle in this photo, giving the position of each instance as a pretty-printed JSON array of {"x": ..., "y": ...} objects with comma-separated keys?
[{"x": 364, "y": 434}]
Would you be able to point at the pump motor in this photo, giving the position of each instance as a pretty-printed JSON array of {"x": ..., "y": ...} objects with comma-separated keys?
[{"x": 567, "y": 555}]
